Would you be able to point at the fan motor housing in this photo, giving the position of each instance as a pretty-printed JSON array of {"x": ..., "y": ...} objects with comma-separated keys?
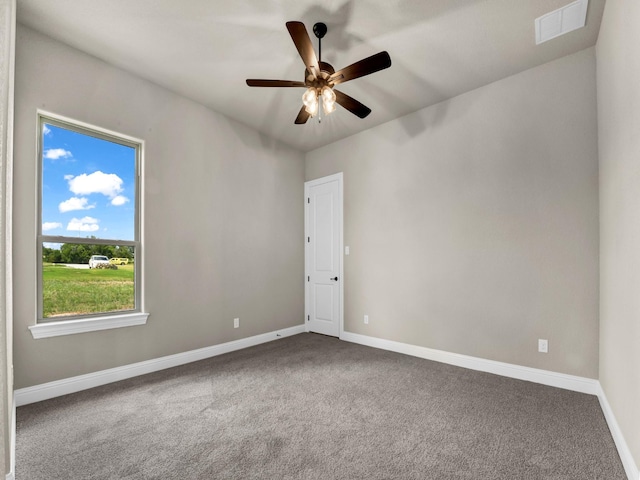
[{"x": 326, "y": 70}]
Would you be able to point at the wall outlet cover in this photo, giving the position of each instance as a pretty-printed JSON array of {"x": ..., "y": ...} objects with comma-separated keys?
[{"x": 543, "y": 345}]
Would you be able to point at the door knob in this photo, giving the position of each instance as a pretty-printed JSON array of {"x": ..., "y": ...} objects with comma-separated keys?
[{"x": 334, "y": 279}]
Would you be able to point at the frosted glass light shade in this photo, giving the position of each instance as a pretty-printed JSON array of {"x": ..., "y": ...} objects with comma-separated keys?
[
  {"x": 328, "y": 100},
  {"x": 310, "y": 101}
]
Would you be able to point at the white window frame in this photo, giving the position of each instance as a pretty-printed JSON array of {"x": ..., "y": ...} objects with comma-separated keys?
[{"x": 68, "y": 325}]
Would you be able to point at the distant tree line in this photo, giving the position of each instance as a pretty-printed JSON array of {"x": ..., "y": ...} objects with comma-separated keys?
[{"x": 81, "y": 253}]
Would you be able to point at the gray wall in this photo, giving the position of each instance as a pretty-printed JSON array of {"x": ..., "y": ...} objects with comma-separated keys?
[
  {"x": 223, "y": 217},
  {"x": 473, "y": 224},
  {"x": 618, "y": 53},
  {"x": 7, "y": 37}
]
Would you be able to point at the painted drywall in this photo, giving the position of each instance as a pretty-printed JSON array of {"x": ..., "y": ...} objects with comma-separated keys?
[
  {"x": 618, "y": 76},
  {"x": 7, "y": 44},
  {"x": 473, "y": 224},
  {"x": 223, "y": 216}
]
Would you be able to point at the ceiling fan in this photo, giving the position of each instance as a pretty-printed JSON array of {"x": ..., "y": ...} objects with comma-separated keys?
[{"x": 320, "y": 78}]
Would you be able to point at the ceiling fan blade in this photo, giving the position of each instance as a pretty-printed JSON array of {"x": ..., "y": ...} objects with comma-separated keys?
[
  {"x": 302, "y": 117},
  {"x": 366, "y": 66},
  {"x": 252, "y": 82},
  {"x": 351, "y": 104},
  {"x": 301, "y": 39}
]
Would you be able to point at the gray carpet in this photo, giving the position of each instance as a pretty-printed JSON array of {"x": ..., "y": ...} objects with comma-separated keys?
[{"x": 313, "y": 407}]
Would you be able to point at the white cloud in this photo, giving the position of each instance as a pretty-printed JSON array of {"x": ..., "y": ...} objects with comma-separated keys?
[
  {"x": 57, "y": 153},
  {"x": 46, "y": 130},
  {"x": 74, "y": 203},
  {"x": 119, "y": 200},
  {"x": 51, "y": 226},
  {"x": 85, "y": 224},
  {"x": 108, "y": 184}
]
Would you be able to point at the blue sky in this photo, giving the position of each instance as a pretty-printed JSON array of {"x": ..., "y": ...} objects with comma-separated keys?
[{"x": 88, "y": 186}]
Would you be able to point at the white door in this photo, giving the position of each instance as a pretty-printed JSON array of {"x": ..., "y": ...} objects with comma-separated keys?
[{"x": 323, "y": 255}]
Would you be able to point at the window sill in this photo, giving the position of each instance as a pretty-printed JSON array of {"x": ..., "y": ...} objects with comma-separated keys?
[{"x": 70, "y": 327}]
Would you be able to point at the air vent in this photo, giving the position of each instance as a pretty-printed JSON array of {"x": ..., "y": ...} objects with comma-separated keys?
[{"x": 561, "y": 21}]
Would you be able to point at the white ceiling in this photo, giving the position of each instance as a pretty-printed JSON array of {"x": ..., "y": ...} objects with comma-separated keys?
[{"x": 205, "y": 49}]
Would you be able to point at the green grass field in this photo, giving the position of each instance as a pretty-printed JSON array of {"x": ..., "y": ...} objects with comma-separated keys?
[{"x": 72, "y": 291}]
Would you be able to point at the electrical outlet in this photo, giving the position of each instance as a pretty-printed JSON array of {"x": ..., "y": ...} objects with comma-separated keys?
[
  {"x": 543, "y": 345},
  {"x": 366, "y": 319},
  {"x": 236, "y": 323}
]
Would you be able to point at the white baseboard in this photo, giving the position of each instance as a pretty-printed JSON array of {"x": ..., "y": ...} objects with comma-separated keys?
[
  {"x": 630, "y": 467},
  {"x": 544, "y": 377},
  {"x": 12, "y": 444},
  {"x": 45, "y": 391}
]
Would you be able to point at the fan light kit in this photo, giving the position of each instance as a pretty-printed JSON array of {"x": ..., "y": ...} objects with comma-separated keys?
[
  {"x": 311, "y": 103},
  {"x": 320, "y": 78}
]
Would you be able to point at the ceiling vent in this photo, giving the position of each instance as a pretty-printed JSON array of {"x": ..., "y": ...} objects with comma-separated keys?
[{"x": 561, "y": 21}]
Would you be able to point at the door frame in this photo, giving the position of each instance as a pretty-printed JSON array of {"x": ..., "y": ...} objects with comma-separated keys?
[{"x": 307, "y": 185}]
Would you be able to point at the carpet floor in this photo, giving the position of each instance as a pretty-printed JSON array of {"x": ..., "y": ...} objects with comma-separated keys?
[{"x": 314, "y": 407}]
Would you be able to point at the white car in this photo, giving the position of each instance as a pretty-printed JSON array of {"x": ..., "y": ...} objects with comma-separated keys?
[{"x": 96, "y": 260}]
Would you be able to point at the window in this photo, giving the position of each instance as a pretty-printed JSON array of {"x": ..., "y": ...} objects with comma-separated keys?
[{"x": 89, "y": 248}]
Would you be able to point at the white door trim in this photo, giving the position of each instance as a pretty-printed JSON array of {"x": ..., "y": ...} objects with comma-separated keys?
[{"x": 307, "y": 186}]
